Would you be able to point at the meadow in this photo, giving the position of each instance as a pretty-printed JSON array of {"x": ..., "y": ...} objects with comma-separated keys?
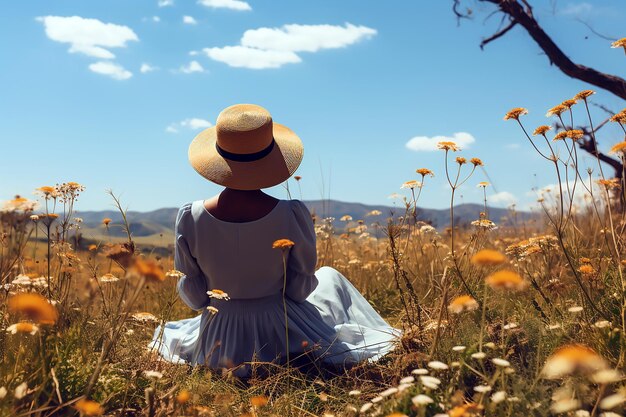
[{"x": 523, "y": 319}]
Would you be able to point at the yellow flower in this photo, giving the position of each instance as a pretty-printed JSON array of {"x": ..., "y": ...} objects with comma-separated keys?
[
  {"x": 33, "y": 306},
  {"x": 556, "y": 110},
  {"x": 515, "y": 113},
  {"x": 297, "y": 177},
  {"x": 584, "y": 94},
  {"x": 611, "y": 183},
  {"x": 183, "y": 396},
  {"x": 477, "y": 162},
  {"x": 259, "y": 401},
  {"x": 560, "y": 136},
  {"x": 483, "y": 184},
  {"x": 463, "y": 303},
  {"x": 620, "y": 43},
  {"x": 619, "y": 117},
  {"x": 506, "y": 279},
  {"x": 585, "y": 260},
  {"x": 586, "y": 269},
  {"x": 488, "y": 257},
  {"x": 466, "y": 410},
  {"x": 570, "y": 359},
  {"x": 92, "y": 247},
  {"x": 448, "y": 146},
  {"x": 346, "y": 218},
  {"x": 144, "y": 317},
  {"x": 106, "y": 221},
  {"x": 425, "y": 171},
  {"x": 373, "y": 213},
  {"x": 23, "y": 327},
  {"x": 282, "y": 244},
  {"x": 569, "y": 102},
  {"x": 218, "y": 294},
  {"x": 620, "y": 147},
  {"x": 575, "y": 134},
  {"x": 460, "y": 160},
  {"x": 89, "y": 408},
  {"x": 148, "y": 269},
  {"x": 541, "y": 130}
]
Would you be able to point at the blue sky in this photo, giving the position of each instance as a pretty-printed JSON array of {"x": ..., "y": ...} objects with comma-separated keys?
[{"x": 109, "y": 94}]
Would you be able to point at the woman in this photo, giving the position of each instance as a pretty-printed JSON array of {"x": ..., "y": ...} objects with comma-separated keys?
[{"x": 251, "y": 310}]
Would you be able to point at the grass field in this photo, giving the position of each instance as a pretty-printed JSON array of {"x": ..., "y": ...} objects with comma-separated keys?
[{"x": 497, "y": 321}]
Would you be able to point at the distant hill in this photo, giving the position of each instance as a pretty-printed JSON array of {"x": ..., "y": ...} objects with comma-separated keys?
[{"x": 156, "y": 227}]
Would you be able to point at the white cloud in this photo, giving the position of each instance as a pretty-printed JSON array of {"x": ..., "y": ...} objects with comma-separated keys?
[
  {"x": 91, "y": 37},
  {"x": 513, "y": 146},
  {"x": 193, "y": 66},
  {"x": 156, "y": 19},
  {"x": 193, "y": 123},
  {"x": 189, "y": 20},
  {"x": 502, "y": 198},
  {"x": 306, "y": 38},
  {"x": 426, "y": 143},
  {"x": 111, "y": 69},
  {"x": 145, "y": 68},
  {"x": 226, "y": 4},
  {"x": 165, "y": 3},
  {"x": 244, "y": 57}
]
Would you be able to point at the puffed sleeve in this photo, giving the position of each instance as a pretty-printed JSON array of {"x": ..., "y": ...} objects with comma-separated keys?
[
  {"x": 192, "y": 287},
  {"x": 301, "y": 280}
]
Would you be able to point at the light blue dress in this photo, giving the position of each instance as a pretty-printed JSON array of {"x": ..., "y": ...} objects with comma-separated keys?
[{"x": 327, "y": 318}]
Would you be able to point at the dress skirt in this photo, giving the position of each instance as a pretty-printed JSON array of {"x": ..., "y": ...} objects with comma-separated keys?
[{"x": 335, "y": 325}]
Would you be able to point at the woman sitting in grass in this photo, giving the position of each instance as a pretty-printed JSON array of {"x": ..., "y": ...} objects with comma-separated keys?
[{"x": 249, "y": 263}]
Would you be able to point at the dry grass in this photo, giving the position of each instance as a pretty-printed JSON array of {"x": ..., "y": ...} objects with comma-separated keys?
[{"x": 538, "y": 332}]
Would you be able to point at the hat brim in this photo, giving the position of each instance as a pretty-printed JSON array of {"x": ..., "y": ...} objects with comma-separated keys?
[{"x": 271, "y": 170}]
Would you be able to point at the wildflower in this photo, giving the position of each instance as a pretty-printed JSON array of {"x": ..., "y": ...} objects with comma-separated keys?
[
  {"x": 420, "y": 371},
  {"x": 282, "y": 244},
  {"x": 34, "y": 217},
  {"x": 556, "y": 110},
  {"x": 476, "y": 162},
  {"x": 365, "y": 407},
  {"x": 460, "y": 160},
  {"x": 564, "y": 405},
  {"x": 21, "y": 391},
  {"x": 297, "y": 177},
  {"x": 448, "y": 146},
  {"x": 586, "y": 269},
  {"x": 482, "y": 388},
  {"x": 510, "y": 326},
  {"x": 3, "y": 392},
  {"x": 421, "y": 399},
  {"x": 346, "y": 218},
  {"x": 121, "y": 253},
  {"x": 440, "y": 366},
  {"x": 374, "y": 213},
  {"x": 153, "y": 374},
  {"x": 569, "y": 102},
  {"x": 92, "y": 248},
  {"x": 575, "y": 309},
  {"x": 463, "y": 303},
  {"x": 259, "y": 401},
  {"x": 620, "y": 147},
  {"x": 466, "y": 410},
  {"x": 498, "y": 397},
  {"x": 174, "y": 273},
  {"x": 583, "y": 95},
  {"x": 149, "y": 269},
  {"x": 407, "y": 380},
  {"x": 144, "y": 317},
  {"x": 212, "y": 310},
  {"x": 459, "y": 348},
  {"x": 388, "y": 392},
  {"x": 570, "y": 359},
  {"x": 218, "y": 294},
  {"x": 397, "y": 415},
  {"x": 354, "y": 393},
  {"x": 515, "y": 113},
  {"x": 619, "y": 117},
  {"x": 35, "y": 307},
  {"x": 541, "y": 130},
  {"x": 620, "y": 43},
  {"x": 109, "y": 278},
  {"x": 376, "y": 399},
  {"x": 47, "y": 192},
  {"x": 88, "y": 408},
  {"x": 501, "y": 362},
  {"x": 607, "y": 376},
  {"x": 610, "y": 183},
  {"x": 183, "y": 396},
  {"x": 425, "y": 171},
  {"x": 488, "y": 257},
  {"x": 23, "y": 280},
  {"x": 506, "y": 279},
  {"x": 430, "y": 381},
  {"x": 560, "y": 136},
  {"x": 479, "y": 355},
  {"x": 602, "y": 324},
  {"x": 612, "y": 401},
  {"x": 23, "y": 327},
  {"x": 484, "y": 224},
  {"x": 106, "y": 221},
  {"x": 575, "y": 134},
  {"x": 483, "y": 184},
  {"x": 412, "y": 184}
]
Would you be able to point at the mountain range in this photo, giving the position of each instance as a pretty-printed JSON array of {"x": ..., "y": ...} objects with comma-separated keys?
[{"x": 157, "y": 227}]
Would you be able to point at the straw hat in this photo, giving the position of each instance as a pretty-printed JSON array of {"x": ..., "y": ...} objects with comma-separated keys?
[{"x": 245, "y": 150}]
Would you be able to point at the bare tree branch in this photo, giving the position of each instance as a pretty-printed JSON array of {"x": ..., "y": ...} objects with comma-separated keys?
[
  {"x": 498, "y": 34},
  {"x": 598, "y": 34}
]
